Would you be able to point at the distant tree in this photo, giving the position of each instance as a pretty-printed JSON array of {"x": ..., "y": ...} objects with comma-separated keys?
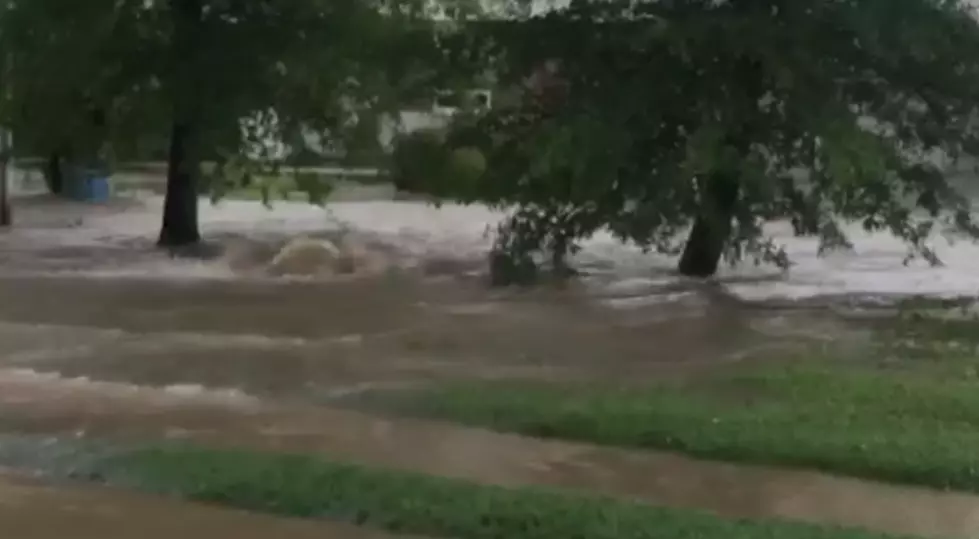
[
  {"x": 70, "y": 72},
  {"x": 121, "y": 73},
  {"x": 316, "y": 65},
  {"x": 716, "y": 117}
]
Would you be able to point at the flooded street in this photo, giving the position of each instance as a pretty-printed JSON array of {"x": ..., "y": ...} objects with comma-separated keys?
[
  {"x": 30, "y": 510},
  {"x": 312, "y": 340},
  {"x": 101, "y": 336},
  {"x": 75, "y": 411}
]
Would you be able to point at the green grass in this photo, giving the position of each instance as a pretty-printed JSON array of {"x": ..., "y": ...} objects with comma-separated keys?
[
  {"x": 401, "y": 502},
  {"x": 934, "y": 323},
  {"x": 281, "y": 187},
  {"x": 940, "y": 335},
  {"x": 896, "y": 426},
  {"x": 284, "y": 186}
]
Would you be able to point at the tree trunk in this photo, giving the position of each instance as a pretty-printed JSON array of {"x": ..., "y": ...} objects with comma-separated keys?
[
  {"x": 6, "y": 210},
  {"x": 712, "y": 228},
  {"x": 55, "y": 174},
  {"x": 180, "y": 224}
]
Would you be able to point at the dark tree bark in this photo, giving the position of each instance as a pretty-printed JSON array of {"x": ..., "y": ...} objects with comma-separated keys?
[
  {"x": 6, "y": 212},
  {"x": 180, "y": 223},
  {"x": 55, "y": 174},
  {"x": 712, "y": 228}
]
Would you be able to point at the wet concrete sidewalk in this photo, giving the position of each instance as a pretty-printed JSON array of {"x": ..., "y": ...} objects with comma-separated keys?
[
  {"x": 31, "y": 510},
  {"x": 128, "y": 414}
]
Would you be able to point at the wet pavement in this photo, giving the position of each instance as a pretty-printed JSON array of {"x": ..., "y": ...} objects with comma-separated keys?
[{"x": 32, "y": 510}]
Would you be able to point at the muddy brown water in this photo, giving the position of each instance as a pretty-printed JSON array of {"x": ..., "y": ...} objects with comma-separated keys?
[
  {"x": 303, "y": 339},
  {"x": 282, "y": 350},
  {"x": 115, "y": 411},
  {"x": 256, "y": 363},
  {"x": 33, "y": 510}
]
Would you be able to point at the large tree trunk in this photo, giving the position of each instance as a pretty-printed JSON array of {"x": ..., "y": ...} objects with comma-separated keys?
[
  {"x": 712, "y": 228},
  {"x": 6, "y": 210},
  {"x": 55, "y": 174},
  {"x": 180, "y": 225}
]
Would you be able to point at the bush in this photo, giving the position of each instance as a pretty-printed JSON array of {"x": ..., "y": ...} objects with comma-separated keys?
[
  {"x": 418, "y": 161},
  {"x": 463, "y": 170}
]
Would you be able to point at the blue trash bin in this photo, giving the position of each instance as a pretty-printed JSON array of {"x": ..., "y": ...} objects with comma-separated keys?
[
  {"x": 98, "y": 187},
  {"x": 89, "y": 185}
]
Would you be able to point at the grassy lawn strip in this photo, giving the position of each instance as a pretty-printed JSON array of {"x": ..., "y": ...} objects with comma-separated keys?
[
  {"x": 281, "y": 187},
  {"x": 883, "y": 425},
  {"x": 401, "y": 502}
]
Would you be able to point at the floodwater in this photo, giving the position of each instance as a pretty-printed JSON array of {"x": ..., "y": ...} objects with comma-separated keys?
[
  {"x": 309, "y": 340},
  {"x": 31, "y": 510},
  {"x": 128, "y": 414},
  {"x": 100, "y": 336}
]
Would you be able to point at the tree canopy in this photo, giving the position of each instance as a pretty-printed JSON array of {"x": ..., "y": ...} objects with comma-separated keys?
[
  {"x": 65, "y": 64},
  {"x": 652, "y": 118},
  {"x": 116, "y": 73},
  {"x": 715, "y": 117}
]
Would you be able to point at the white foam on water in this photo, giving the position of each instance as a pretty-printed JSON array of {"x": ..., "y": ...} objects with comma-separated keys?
[
  {"x": 640, "y": 301},
  {"x": 169, "y": 269},
  {"x": 419, "y": 230},
  {"x": 58, "y": 341},
  {"x": 28, "y": 384},
  {"x": 875, "y": 267}
]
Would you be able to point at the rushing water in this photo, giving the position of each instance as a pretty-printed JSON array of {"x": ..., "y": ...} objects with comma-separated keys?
[
  {"x": 101, "y": 335},
  {"x": 126, "y": 413},
  {"x": 115, "y": 240},
  {"x": 30, "y": 510}
]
